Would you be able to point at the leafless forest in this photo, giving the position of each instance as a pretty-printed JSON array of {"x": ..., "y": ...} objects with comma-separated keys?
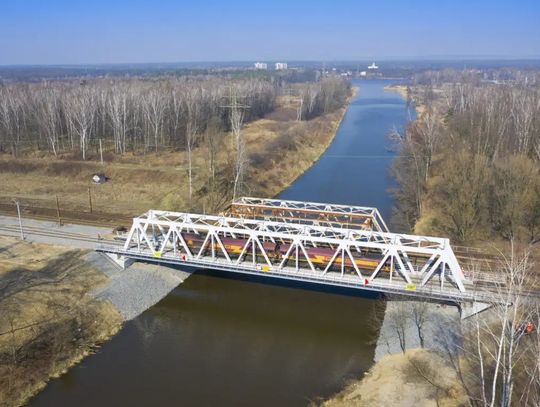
[
  {"x": 101, "y": 119},
  {"x": 142, "y": 115},
  {"x": 470, "y": 168}
]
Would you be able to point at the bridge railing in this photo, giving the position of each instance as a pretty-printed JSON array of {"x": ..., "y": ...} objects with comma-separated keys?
[{"x": 429, "y": 292}]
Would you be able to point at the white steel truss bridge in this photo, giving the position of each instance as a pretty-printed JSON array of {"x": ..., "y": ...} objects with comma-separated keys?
[
  {"x": 372, "y": 260},
  {"x": 323, "y": 214}
]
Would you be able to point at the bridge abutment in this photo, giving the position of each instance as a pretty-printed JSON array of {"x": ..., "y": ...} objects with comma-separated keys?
[
  {"x": 467, "y": 310},
  {"x": 418, "y": 324},
  {"x": 122, "y": 261}
]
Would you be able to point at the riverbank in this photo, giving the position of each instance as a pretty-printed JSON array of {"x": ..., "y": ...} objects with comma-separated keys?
[
  {"x": 50, "y": 320},
  {"x": 278, "y": 149},
  {"x": 408, "y": 330},
  {"x": 281, "y": 148},
  {"x": 417, "y": 377},
  {"x": 312, "y": 148},
  {"x": 412, "y": 336},
  {"x": 410, "y": 95}
]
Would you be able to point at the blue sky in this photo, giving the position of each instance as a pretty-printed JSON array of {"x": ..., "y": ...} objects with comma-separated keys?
[{"x": 109, "y": 31}]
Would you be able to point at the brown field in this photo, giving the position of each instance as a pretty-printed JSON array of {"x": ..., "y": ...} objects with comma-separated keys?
[
  {"x": 279, "y": 149},
  {"x": 48, "y": 321}
]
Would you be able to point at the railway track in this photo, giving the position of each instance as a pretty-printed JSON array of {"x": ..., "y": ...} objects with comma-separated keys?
[
  {"x": 47, "y": 232},
  {"x": 75, "y": 217},
  {"x": 60, "y": 234},
  {"x": 463, "y": 253}
]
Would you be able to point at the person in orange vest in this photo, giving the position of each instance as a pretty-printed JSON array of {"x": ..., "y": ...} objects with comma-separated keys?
[{"x": 529, "y": 328}]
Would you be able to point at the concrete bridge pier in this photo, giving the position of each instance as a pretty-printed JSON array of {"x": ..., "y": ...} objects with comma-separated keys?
[
  {"x": 469, "y": 309},
  {"x": 123, "y": 261}
]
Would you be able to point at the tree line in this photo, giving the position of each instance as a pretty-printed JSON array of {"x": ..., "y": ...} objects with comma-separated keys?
[
  {"x": 82, "y": 119},
  {"x": 470, "y": 167},
  {"x": 142, "y": 115},
  {"x": 130, "y": 115}
]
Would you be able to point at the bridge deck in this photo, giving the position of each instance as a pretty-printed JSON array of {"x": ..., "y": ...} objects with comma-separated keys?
[
  {"x": 394, "y": 286},
  {"x": 305, "y": 241}
]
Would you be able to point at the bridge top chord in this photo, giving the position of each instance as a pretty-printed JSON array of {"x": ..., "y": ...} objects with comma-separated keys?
[
  {"x": 192, "y": 221},
  {"x": 324, "y": 214}
]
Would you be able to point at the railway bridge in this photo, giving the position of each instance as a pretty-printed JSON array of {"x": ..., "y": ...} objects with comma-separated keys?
[{"x": 327, "y": 244}]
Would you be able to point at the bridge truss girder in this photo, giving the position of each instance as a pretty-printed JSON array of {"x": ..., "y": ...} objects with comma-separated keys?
[
  {"x": 162, "y": 233},
  {"x": 322, "y": 214}
]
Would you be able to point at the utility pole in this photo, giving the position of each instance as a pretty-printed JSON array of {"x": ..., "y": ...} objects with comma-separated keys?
[
  {"x": 90, "y": 199},
  {"x": 58, "y": 212},
  {"x": 101, "y": 151},
  {"x": 19, "y": 215},
  {"x": 236, "y": 118}
]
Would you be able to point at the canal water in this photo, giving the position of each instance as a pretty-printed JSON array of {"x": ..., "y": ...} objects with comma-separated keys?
[{"x": 222, "y": 340}]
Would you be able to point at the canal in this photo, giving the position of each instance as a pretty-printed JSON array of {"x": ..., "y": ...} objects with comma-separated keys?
[{"x": 221, "y": 340}]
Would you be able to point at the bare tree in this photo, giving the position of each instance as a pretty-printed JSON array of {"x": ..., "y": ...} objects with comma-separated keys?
[
  {"x": 419, "y": 315},
  {"x": 154, "y": 109},
  {"x": 118, "y": 114},
  {"x": 497, "y": 362},
  {"x": 48, "y": 115},
  {"x": 236, "y": 119},
  {"x": 193, "y": 124},
  {"x": 213, "y": 140},
  {"x": 82, "y": 109}
]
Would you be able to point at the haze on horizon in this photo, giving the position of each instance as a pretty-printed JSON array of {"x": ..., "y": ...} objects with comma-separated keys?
[{"x": 123, "y": 31}]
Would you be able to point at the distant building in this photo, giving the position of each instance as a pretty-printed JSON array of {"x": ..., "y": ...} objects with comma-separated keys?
[
  {"x": 373, "y": 66},
  {"x": 261, "y": 65},
  {"x": 281, "y": 66},
  {"x": 363, "y": 73}
]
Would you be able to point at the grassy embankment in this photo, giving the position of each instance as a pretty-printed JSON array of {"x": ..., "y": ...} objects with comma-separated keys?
[
  {"x": 403, "y": 379},
  {"x": 48, "y": 321},
  {"x": 415, "y": 378},
  {"x": 406, "y": 93},
  {"x": 279, "y": 149}
]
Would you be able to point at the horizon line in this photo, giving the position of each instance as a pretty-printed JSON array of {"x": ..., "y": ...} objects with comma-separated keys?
[{"x": 433, "y": 58}]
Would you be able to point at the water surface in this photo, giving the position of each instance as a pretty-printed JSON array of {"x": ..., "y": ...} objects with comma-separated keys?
[{"x": 230, "y": 341}]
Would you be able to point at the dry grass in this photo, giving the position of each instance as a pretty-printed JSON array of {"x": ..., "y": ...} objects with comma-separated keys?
[
  {"x": 279, "y": 147},
  {"x": 417, "y": 378},
  {"x": 48, "y": 322},
  {"x": 401, "y": 89}
]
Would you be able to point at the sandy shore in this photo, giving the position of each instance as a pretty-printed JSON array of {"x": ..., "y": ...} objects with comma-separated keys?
[
  {"x": 401, "y": 89},
  {"x": 408, "y": 94}
]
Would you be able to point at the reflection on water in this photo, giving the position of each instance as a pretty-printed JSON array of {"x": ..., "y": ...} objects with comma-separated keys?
[{"x": 226, "y": 340}]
